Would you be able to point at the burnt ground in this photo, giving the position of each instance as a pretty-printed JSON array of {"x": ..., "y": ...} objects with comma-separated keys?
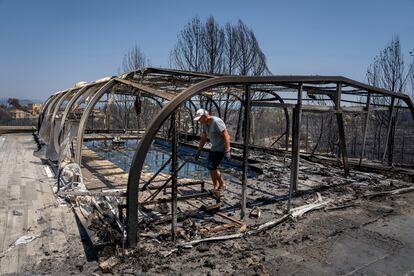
[
  {"x": 371, "y": 237},
  {"x": 352, "y": 235}
]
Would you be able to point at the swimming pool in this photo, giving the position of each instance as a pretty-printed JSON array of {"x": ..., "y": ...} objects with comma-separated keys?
[{"x": 159, "y": 153}]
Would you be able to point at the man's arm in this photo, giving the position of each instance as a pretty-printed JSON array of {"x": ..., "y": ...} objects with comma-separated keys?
[
  {"x": 226, "y": 137},
  {"x": 203, "y": 139}
]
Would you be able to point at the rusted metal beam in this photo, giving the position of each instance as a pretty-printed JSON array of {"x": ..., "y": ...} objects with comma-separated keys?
[
  {"x": 296, "y": 122},
  {"x": 174, "y": 172},
  {"x": 246, "y": 138},
  {"x": 389, "y": 139},
  {"x": 155, "y": 92},
  {"x": 341, "y": 130},
  {"x": 180, "y": 198},
  {"x": 180, "y": 184},
  {"x": 364, "y": 140},
  {"x": 145, "y": 186}
]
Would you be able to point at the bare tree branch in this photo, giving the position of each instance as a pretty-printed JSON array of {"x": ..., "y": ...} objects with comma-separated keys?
[{"x": 135, "y": 59}]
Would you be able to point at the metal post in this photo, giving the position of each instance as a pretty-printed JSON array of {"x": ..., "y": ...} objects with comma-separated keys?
[
  {"x": 174, "y": 166},
  {"x": 341, "y": 128},
  {"x": 239, "y": 121},
  {"x": 293, "y": 171},
  {"x": 297, "y": 116},
  {"x": 367, "y": 107},
  {"x": 390, "y": 119},
  {"x": 246, "y": 136},
  {"x": 107, "y": 111},
  {"x": 138, "y": 107},
  {"x": 307, "y": 134},
  {"x": 287, "y": 134},
  {"x": 126, "y": 114}
]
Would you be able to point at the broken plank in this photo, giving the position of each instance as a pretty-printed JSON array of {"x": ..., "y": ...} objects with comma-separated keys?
[{"x": 392, "y": 192}]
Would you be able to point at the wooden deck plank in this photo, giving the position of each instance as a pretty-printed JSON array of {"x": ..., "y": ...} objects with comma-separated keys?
[{"x": 30, "y": 208}]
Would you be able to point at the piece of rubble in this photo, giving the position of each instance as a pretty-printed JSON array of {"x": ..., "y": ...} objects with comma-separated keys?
[
  {"x": 108, "y": 264},
  {"x": 385, "y": 209},
  {"x": 255, "y": 213},
  {"x": 17, "y": 213}
]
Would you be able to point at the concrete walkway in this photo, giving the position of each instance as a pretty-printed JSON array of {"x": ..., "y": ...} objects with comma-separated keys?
[{"x": 29, "y": 208}]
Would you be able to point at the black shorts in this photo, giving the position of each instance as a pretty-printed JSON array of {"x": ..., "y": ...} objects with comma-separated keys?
[{"x": 214, "y": 159}]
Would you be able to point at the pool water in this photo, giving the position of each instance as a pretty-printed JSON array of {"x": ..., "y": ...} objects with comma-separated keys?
[{"x": 159, "y": 153}]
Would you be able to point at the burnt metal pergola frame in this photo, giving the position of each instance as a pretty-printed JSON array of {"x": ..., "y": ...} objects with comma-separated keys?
[
  {"x": 156, "y": 82},
  {"x": 172, "y": 106}
]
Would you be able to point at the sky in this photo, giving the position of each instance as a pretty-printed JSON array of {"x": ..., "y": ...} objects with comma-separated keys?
[{"x": 49, "y": 45}]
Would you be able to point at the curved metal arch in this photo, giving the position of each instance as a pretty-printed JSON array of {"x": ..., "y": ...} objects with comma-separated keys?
[
  {"x": 54, "y": 114},
  {"x": 82, "y": 124},
  {"x": 68, "y": 108},
  {"x": 54, "y": 101},
  {"x": 41, "y": 115},
  {"x": 152, "y": 97},
  {"x": 277, "y": 96},
  {"x": 194, "y": 127},
  {"x": 156, "y": 99},
  {"x": 84, "y": 119},
  {"x": 215, "y": 104},
  {"x": 286, "y": 111},
  {"x": 45, "y": 107},
  {"x": 47, "y": 115},
  {"x": 74, "y": 99}
]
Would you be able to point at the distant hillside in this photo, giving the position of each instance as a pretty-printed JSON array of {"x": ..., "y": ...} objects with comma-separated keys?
[{"x": 22, "y": 101}]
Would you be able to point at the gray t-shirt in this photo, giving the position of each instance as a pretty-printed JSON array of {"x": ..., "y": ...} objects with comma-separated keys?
[{"x": 214, "y": 132}]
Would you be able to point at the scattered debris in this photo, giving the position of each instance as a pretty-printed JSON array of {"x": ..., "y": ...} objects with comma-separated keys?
[
  {"x": 17, "y": 213},
  {"x": 340, "y": 207},
  {"x": 300, "y": 211},
  {"x": 236, "y": 236},
  {"x": 385, "y": 209},
  {"x": 243, "y": 226},
  {"x": 22, "y": 240},
  {"x": 255, "y": 213},
  {"x": 108, "y": 264},
  {"x": 167, "y": 253}
]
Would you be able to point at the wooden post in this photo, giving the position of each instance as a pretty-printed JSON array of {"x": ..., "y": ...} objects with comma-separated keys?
[
  {"x": 341, "y": 129},
  {"x": 246, "y": 136},
  {"x": 297, "y": 116},
  {"x": 367, "y": 107},
  {"x": 388, "y": 141},
  {"x": 174, "y": 167}
]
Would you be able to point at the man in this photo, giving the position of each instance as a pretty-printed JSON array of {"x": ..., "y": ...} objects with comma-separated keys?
[{"x": 215, "y": 129}]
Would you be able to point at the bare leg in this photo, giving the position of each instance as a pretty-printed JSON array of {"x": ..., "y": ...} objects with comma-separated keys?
[
  {"x": 213, "y": 174},
  {"x": 220, "y": 180}
]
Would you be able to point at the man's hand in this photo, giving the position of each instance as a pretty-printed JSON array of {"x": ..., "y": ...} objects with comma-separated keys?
[
  {"x": 197, "y": 154},
  {"x": 227, "y": 155}
]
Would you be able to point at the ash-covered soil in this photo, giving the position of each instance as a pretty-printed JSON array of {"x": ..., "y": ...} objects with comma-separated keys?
[
  {"x": 321, "y": 243},
  {"x": 353, "y": 234}
]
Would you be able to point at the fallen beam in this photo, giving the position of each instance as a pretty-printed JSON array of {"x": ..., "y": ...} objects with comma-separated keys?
[{"x": 393, "y": 192}]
